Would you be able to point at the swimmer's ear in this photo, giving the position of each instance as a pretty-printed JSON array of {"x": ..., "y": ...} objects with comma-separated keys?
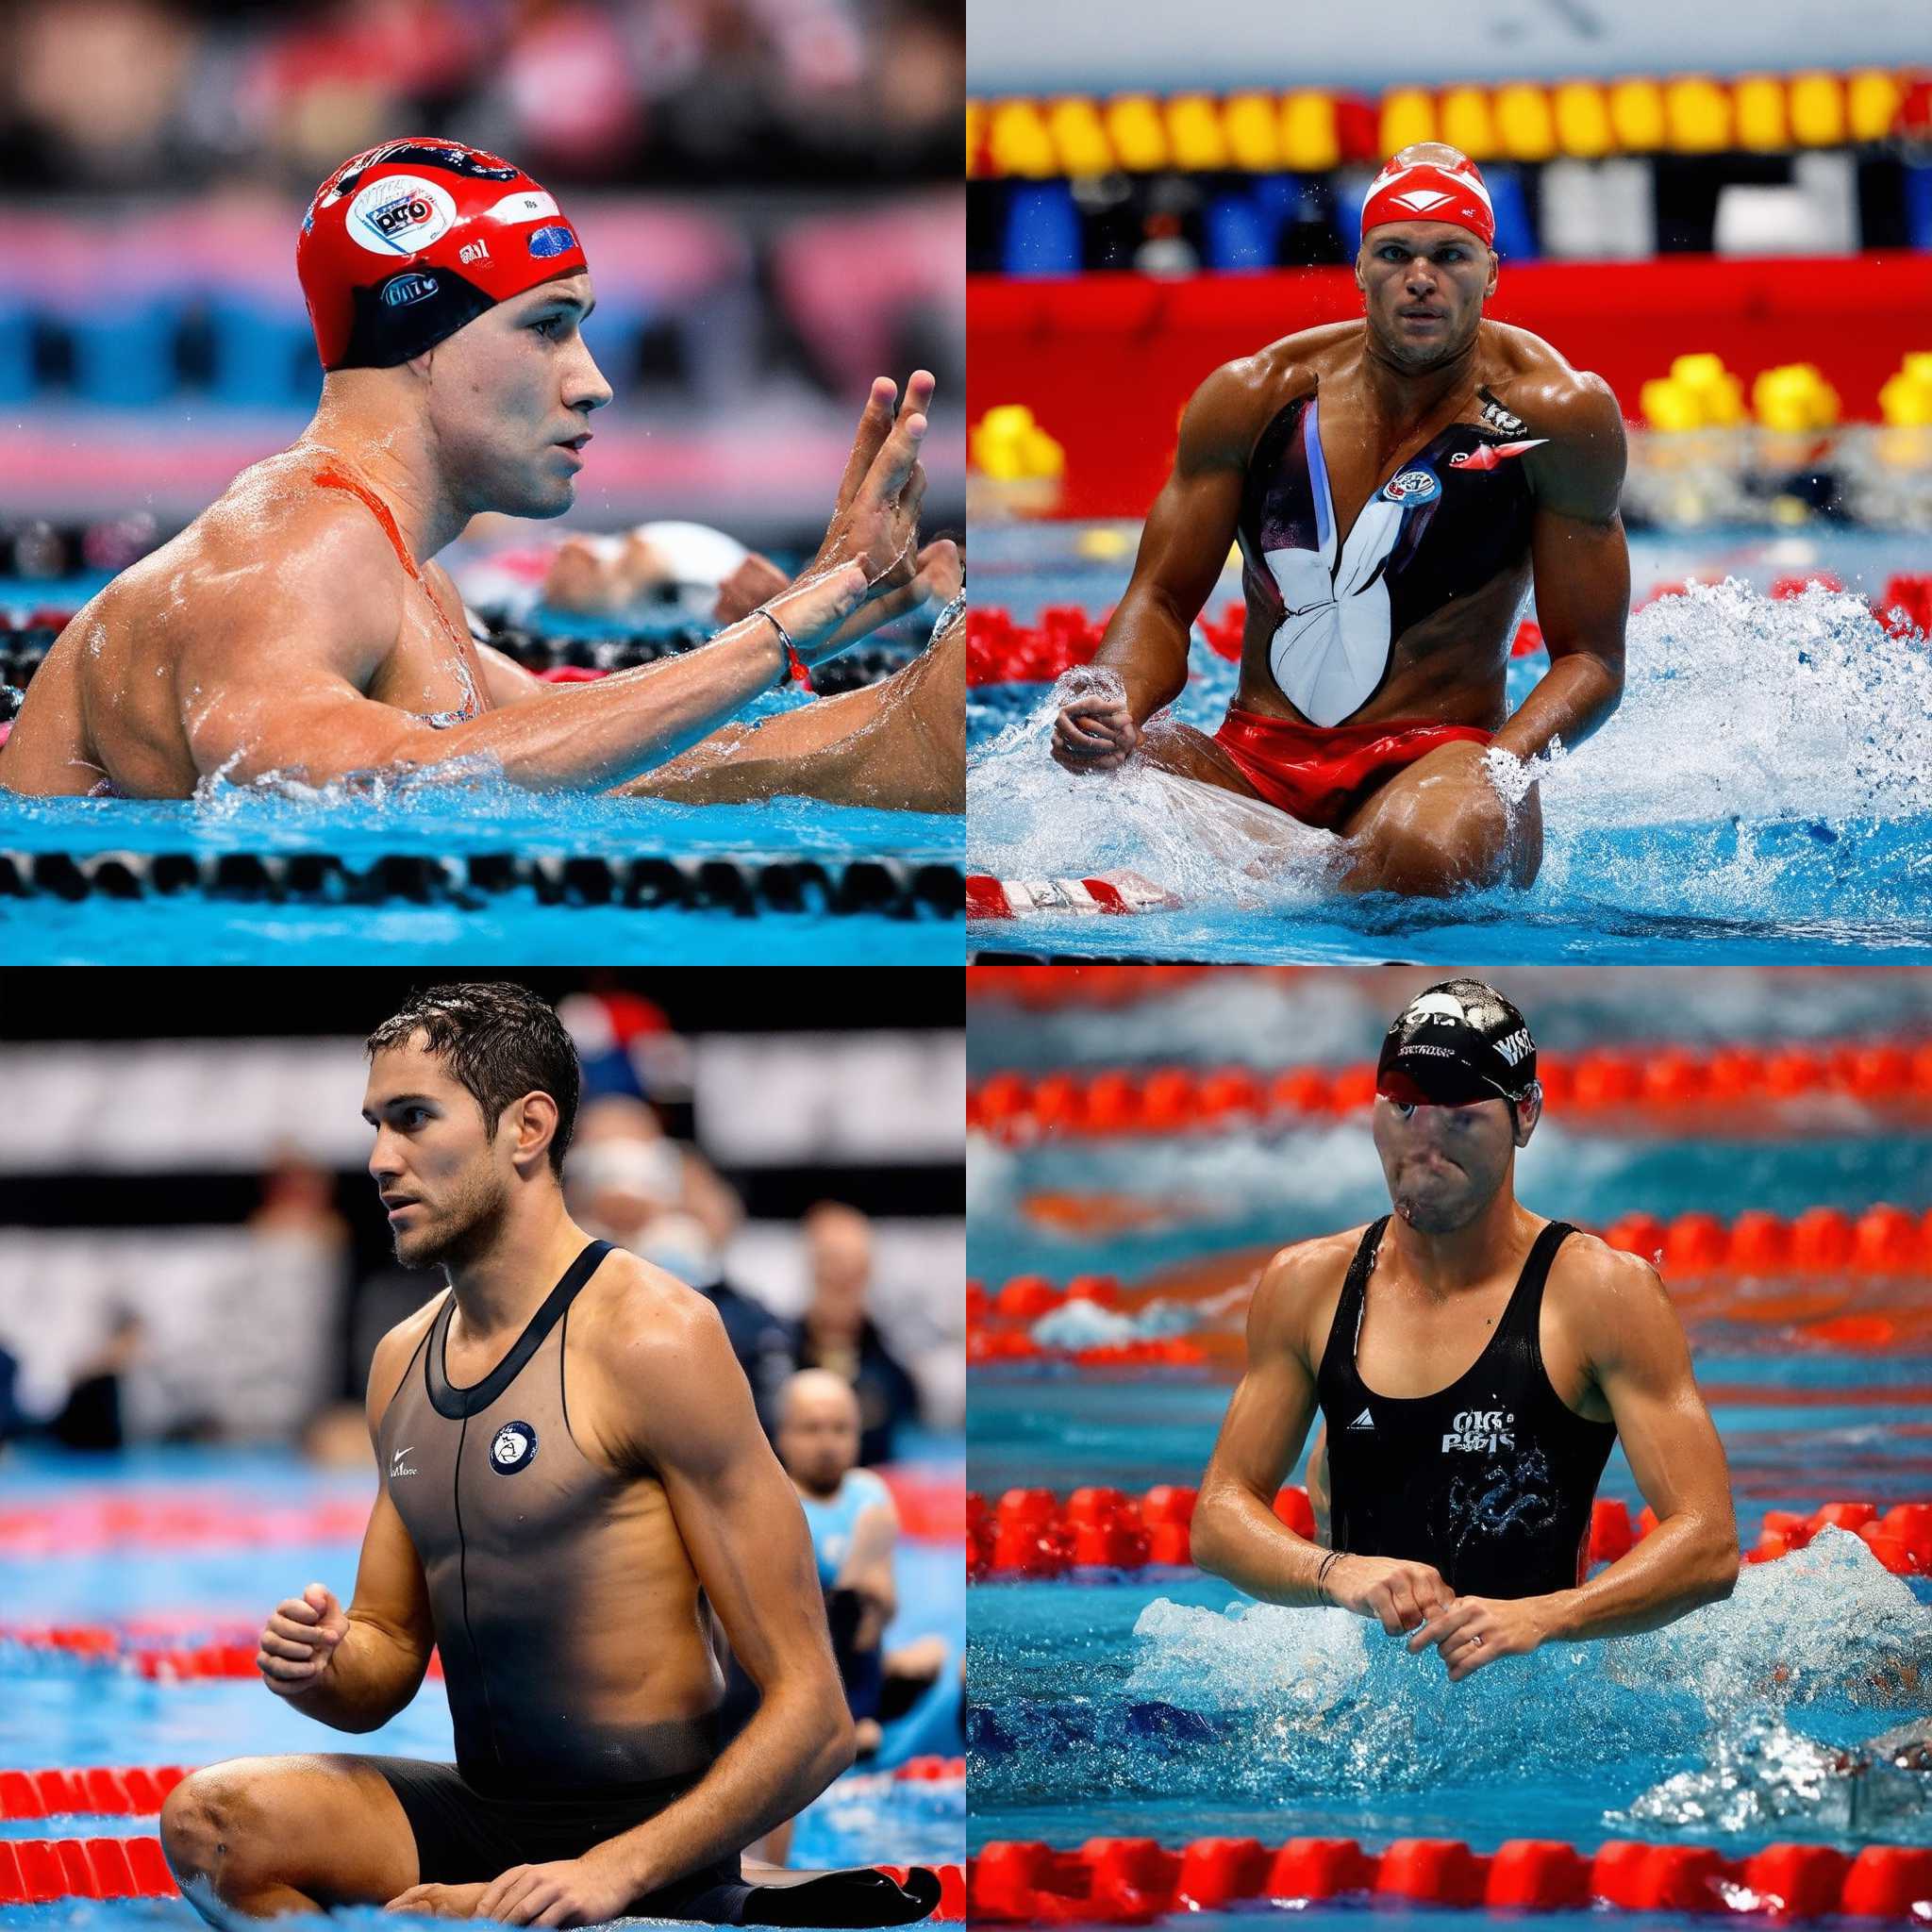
[{"x": 534, "y": 1120}]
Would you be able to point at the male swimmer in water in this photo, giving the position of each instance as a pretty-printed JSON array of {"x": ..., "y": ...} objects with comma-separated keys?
[
  {"x": 1394, "y": 484},
  {"x": 1458, "y": 1505},
  {"x": 573, "y": 1482},
  {"x": 298, "y": 626}
]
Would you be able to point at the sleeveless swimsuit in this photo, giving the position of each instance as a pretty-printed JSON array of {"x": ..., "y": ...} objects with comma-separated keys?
[
  {"x": 1455, "y": 516},
  {"x": 505, "y": 1513},
  {"x": 1490, "y": 1479}
]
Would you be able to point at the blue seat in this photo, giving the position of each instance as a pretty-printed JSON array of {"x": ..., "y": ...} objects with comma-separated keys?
[
  {"x": 1238, "y": 239},
  {"x": 1043, "y": 232},
  {"x": 1919, "y": 205},
  {"x": 1515, "y": 231},
  {"x": 123, "y": 354},
  {"x": 263, "y": 353}
]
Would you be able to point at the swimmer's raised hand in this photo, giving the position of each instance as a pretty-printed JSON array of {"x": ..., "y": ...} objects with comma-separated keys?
[
  {"x": 1398, "y": 1595},
  {"x": 1094, "y": 733},
  {"x": 299, "y": 1640},
  {"x": 876, "y": 518}
]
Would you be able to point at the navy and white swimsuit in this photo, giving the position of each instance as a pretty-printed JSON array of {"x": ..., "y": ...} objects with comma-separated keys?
[{"x": 1455, "y": 516}]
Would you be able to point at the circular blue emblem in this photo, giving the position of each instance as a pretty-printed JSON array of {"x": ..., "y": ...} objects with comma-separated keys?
[
  {"x": 514, "y": 1447},
  {"x": 1411, "y": 487}
]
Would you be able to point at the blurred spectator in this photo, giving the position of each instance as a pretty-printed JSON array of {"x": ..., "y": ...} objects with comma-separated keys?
[
  {"x": 836, "y": 1333},
  {"x": 626, "y": 1182},
  {"x": 90, "y": 1419},
  {"x": 109, "y": 94}
]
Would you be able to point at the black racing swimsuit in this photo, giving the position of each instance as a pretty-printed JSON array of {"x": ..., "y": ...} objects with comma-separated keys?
[{"x": 1490, "y": 1479}]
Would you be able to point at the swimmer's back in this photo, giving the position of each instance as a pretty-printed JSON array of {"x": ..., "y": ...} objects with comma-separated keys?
[{"x": 184, "y": 650}]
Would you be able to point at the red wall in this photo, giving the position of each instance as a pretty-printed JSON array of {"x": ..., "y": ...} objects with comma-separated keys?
[{"x": 1107, "y": 362}]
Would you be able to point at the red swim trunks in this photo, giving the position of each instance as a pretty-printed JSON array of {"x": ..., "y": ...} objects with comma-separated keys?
[{"x": 1320, "y": 775}]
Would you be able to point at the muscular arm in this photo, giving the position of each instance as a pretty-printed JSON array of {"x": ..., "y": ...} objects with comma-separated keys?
[
  {"x": 1580, "y": 560},
  {"x": 276, "y": 683},
  {"x": 1642, "y": 1363},
  {"x": 742, "y": 1524},
  {"x": 377, "y": 1666},
  {"x": 1183, "y": 550},
  {"x": 1236, "y": 1533}
]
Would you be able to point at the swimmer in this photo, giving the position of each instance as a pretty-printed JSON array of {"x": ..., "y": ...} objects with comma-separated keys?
[
  {"x": 1395, "y": 485},
  {"x": 299, "y": 627},
  {"x": 1458, "y": 1505},
  {"x": 570, "y": 1474}
]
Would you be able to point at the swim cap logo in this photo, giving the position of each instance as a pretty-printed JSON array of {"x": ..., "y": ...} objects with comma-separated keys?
[
  {"x": 400, "y": 291},
  {"x": 1413, "y": 487},
  {"x": 514, "y": 1448},
  {"x": 1485, "y": 1431},
  {"x": 1516, "y": 1046},
  {"x": 400, "y": 214},
  {"x": 554, "y": 240},
  {"x": 1421, "y": 200}
]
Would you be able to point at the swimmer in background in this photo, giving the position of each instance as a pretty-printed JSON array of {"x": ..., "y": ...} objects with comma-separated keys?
[
  {"x": 574, "y": 1491},
  {"x": 299, "y": 628},
  {"x": 1394, "y": 484},
  {"x": 1458, "y": 1506}
]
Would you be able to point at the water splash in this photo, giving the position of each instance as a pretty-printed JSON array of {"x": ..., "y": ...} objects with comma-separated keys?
[
  {"x": 1763, "y": 767},
  {"x": 1262, "y": 1703}
]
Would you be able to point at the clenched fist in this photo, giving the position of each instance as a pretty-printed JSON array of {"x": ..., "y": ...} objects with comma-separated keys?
[{"x": 299, "y": 1640}]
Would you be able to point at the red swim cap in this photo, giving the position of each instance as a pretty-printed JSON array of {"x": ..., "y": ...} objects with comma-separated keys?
[
  {"x": 1413, "y": 191},
  {"x": 405, "y": 243}
]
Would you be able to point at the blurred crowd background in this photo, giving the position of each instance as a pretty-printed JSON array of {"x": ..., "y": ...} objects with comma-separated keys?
[
  {"x": 190, "y": 1249},
  {"x": 768, "y": 191}
]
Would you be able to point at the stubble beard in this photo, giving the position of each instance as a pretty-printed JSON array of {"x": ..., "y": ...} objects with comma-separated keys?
[{"x": 469, "y": 1229}]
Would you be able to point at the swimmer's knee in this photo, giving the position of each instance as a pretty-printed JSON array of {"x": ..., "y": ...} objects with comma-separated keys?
[{"x": 216, "y": 1828}]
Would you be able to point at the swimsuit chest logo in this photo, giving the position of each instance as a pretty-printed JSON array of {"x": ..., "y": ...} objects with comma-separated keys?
[
  {"x": 398, "y": 1467},
  {"x": 1482, "y": 1429},
  {"x": 400, "y": 214},
  {"x": 1491, "y": 454},
  {"x": 514, "y": 1448},
  {"x": 1364, "y": 1421},
  {"x": 1412, "y": 486}
]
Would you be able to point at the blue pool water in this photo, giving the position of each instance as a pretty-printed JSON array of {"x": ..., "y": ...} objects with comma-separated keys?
[
  {"x": 55, "y": 1711},
  {"x": 513, "y": 927},
  {"x": 1758, "y": 796},
  {"x": 1166, "y": 1704}
]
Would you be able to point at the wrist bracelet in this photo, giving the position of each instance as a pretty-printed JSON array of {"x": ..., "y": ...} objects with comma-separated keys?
[
  {"x": 1329, "y": 1562},
  {"x": 792, "y": 671}
]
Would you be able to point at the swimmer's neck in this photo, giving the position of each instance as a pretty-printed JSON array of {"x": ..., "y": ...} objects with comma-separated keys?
[
  {"x": 499, "y": 1290},
  {"x": 1442, "y": 1265},
  {"x": 1407, "y": 395},
  {"x": 395, "y": 455}
]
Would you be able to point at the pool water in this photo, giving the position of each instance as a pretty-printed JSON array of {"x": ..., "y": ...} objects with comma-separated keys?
[
  {"x": 1759, "y": 794},
  {"x": 1164, "y": 1703},
  {"x": 437, "y": 822},
  {"x": 58, "y": 1710}
]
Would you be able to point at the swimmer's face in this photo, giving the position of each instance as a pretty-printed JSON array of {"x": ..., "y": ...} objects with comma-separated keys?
[
  {"x": 818, "y": 1437},
  {"x": 444, "y": 1174},
  {"x": 1445, "y": 1164},
  {"x": 508, "y": 393},
  {"x": 1423, "y": 285}
]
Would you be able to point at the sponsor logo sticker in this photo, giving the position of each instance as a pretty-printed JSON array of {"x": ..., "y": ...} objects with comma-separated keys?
[
  {"x": 400, "y": 214},
  {"x": 514, "y": 1447},
  {"x": 554, "y": 240},
  {"x": 400, "y": 291},
  {"x": 1412, "y": 486}
]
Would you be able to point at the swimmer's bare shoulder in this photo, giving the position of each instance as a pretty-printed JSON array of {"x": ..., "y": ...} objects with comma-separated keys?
[
  {"x": 1579, "y": 469},
  {"x": 393, "y": 1357},
  {"x": 1612, "y": 1309},
  {"x": 1296, "y": 1297},
  {"x": 1227, "y": 413},
  {"x": 652, "y": 1356}
]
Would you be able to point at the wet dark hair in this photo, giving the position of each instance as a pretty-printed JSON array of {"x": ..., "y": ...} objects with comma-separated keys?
[{"x": 498, "y": 1040}]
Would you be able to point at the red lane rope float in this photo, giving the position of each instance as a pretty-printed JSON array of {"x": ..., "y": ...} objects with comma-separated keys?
[
  {"x": 93, "y": 1522},
  {"x": 1049, "y": 988},
  {"x": 1019, "y": 1108},
  {"x": 1133, "y": 1880},
  {"x": 231, "y": 1656},
  {"x": 998, "y": 651},
  {"x": 137, "y": 1791},
  {"x": 1033, "y": 1533},
  {"x": 37, "y": 1872}
]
